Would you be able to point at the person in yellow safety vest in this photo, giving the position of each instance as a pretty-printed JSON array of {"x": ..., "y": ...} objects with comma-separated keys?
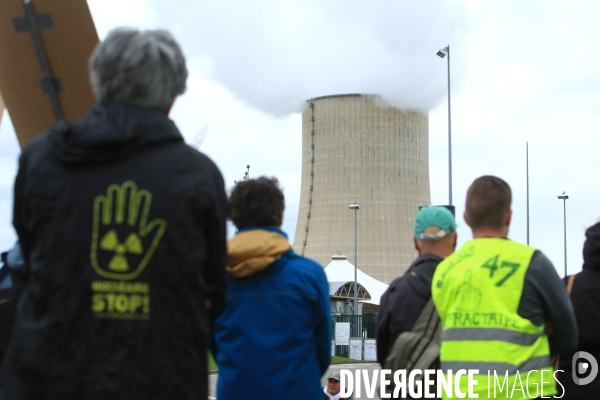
[{"x": 503, "y": 307}]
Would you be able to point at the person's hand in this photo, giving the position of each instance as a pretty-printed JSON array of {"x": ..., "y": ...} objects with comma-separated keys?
[
  {"x": 209, "y": 290},
  {"x": 467, "y": 297},
  {"x": 548, "y": 328}
]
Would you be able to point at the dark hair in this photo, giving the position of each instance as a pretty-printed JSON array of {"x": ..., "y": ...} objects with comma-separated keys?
[
  {"x": 591, "y": 248},
  {"x": 488, "y": 200},
  {"x": 256, "y": 202}
]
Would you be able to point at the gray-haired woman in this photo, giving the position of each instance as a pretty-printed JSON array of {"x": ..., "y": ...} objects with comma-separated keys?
[
  {"x": 122, "y": 226},
  {"x": 142, "y": 68}
]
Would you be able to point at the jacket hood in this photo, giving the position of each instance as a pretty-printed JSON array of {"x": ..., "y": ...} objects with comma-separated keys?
[
  {"x": 591, "y": 248},
  {"x": 252, "y": 251},
  {"x": 111, "y": 131}
]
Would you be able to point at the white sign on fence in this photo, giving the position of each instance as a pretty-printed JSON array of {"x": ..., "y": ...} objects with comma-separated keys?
[
  {"x": 370, "y": 350},
  {"x": 356, "y": 348},
  {"x": 342, "y": 333}
]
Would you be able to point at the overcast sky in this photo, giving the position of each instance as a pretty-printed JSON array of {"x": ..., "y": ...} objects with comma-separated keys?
[{"x": 521, "y": 72}]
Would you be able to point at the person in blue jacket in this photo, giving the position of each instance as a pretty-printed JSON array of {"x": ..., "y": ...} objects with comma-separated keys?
[{"x": 273, "y": 340}]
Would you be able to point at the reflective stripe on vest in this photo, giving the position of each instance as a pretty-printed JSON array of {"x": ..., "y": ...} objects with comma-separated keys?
[
  {"x": 522, "y": 338},
  {"x": 535, "y": 363},
  {"x": 477, "y": 291}
]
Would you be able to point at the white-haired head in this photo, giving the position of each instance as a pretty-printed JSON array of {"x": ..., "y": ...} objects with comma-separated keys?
[{"x": 146, "y": 68}]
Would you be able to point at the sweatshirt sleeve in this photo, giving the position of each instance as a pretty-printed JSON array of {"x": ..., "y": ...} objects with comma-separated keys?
[
  {"x": 545, "y": 299},
  {"x": 323, "y": 322},
  {"x": 216, "y": 236}
]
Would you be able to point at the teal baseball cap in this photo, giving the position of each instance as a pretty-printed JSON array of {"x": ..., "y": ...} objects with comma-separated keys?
[{"x": 434, "y": 216}]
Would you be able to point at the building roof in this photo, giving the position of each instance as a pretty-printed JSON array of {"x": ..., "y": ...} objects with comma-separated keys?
[
  {"x": 340, "y": 270},
  {"x": 346, "y": 290},
  {"x": 339, "y": 95}
]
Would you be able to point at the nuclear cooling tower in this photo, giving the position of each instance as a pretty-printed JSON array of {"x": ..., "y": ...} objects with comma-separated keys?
[{"x": 356, "y": 148}]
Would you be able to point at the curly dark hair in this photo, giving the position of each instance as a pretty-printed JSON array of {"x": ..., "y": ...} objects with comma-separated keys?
[{"x": 256, "y": 202}]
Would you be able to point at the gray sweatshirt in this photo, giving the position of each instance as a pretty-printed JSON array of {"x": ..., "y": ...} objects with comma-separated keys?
[{"x": 544, "y": 299}]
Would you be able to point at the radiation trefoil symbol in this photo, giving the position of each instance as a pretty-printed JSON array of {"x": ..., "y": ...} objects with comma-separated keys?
[
  {"x": 110, "y": 242},
  {"x": 123, "y": 213}
]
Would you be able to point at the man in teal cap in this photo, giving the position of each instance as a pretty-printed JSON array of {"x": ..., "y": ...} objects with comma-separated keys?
[{"x": 406, "y": 297}]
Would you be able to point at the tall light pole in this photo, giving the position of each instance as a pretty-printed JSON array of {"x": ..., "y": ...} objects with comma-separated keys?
[
  {"x": 443, "y": 53},
  {"x": 355, "y": 207},
  {"x": 564, "y": 198}
]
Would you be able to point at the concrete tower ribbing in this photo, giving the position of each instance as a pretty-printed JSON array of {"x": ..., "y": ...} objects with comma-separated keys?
[{"x": 356, "y": 148}]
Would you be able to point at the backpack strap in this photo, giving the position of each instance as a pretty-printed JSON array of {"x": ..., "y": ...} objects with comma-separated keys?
[
  {"x": 430, "y": 318},
  {"x": 570, "y": 283}
]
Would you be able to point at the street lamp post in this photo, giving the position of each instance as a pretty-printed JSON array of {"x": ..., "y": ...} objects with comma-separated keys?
[
  {"x": 443, "y": 53},
  {"x": 564, "y": 198},
  {"x": 355, "y": 207}
]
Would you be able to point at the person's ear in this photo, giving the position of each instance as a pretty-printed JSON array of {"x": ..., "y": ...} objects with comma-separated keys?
[
  {"x": 168, "y": 109},
  {"x": 416, "y": 244},
  {"x": 465, "y": 218},
  {"x": 280, "y": 221},
  {"x": 454, "y": 240},
  {"x": 507, "y": 218}
]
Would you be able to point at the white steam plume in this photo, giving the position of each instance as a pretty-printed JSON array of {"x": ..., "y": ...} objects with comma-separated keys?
[{"x": 275, "y": 54}]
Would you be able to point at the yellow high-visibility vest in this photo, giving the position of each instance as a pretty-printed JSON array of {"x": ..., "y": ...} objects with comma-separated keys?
[{"x": 477, "y": 291}]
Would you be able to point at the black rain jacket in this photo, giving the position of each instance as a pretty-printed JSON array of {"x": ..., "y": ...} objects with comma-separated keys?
[
  {"x": 585, "y": 296},
  {"x": 403, "y": 302},
  {"x": 122, "y": 226}
]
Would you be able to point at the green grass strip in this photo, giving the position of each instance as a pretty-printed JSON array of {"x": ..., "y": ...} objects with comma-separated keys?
[{"x": 212, "y": 365}]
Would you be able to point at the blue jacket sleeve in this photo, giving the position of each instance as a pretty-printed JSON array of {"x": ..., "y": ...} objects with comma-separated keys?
[{"x": 322, "y": 316}]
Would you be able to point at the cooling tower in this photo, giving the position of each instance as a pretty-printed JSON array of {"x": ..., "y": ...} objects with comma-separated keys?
[{"x": 356, "y": 148}]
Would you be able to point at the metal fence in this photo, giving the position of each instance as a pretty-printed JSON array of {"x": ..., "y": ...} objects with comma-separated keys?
[{"x": 364, "y": 326}]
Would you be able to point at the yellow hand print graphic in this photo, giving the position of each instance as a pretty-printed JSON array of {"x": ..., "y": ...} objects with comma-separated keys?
[{"x": 124, "y": 209}]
